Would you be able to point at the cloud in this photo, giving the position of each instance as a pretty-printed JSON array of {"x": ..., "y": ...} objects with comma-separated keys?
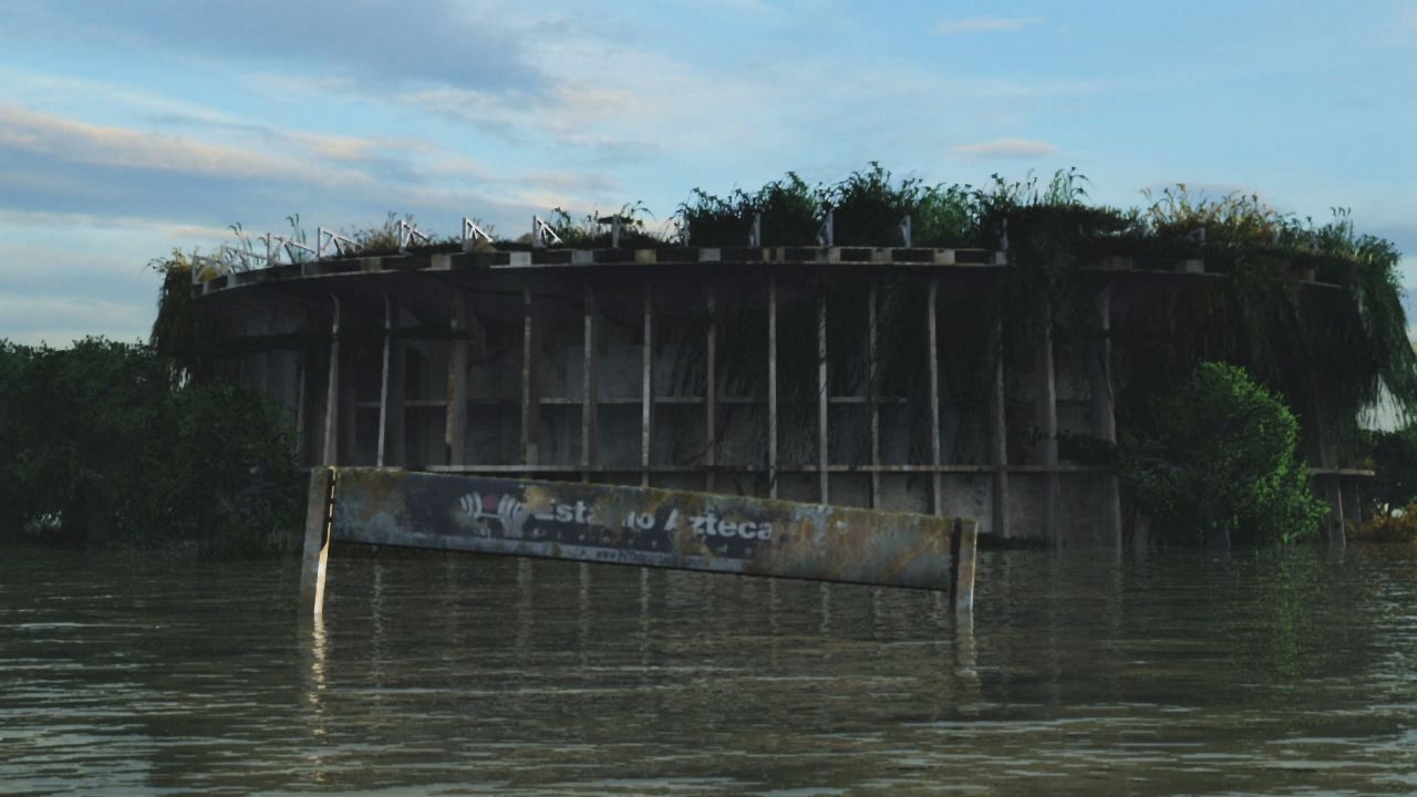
[
  {"x": 377, "y": 41},
  {"x": 985, "y": 25},
  {"x": 104, "y": 145},
  {"x": 1007, "y": 148}
]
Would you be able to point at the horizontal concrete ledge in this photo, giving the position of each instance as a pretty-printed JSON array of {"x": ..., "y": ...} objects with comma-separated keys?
[
  {"x": 787, "y": 255},
  {"x": 782, "y": 256},
  {"x": 758, "y": 469},
  {"x": 678, "y": 470},
  {"x": 1359, "y": 472}
]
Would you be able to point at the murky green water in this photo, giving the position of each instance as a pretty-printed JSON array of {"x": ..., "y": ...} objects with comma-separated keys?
[{"x": 1080, "y": 675}]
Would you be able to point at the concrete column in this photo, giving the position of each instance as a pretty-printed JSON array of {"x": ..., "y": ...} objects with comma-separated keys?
[
  {"x": 302, "y": 375},
  {"x": 647, "y": 389},
  {"x": 531, "y": 409},
  {"x": 711, "y": 389},
  {"x": 455, "y": 419},
  {"x": 823, "y": 403},
  {"x": 396, "y": 440},
  {"x": 382, "y": 445},
  {"x": 999, "y": 437},
  {"x": 1330, "y": 482},
  {"x": 591, "y": 388},
  {"x": 772, "y": 386},
  {"x": 319, "y": 503},
  {"x": 932, "y": 348},
  {"x": 872, "y": 334},
  {"x": 330, "y": 451},
  {"x": 1046, "y": 422},
  {"x": 1104, "y": 418}
]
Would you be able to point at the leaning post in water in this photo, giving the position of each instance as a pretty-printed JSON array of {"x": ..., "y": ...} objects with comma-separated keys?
[
  {"x": 319, "y": 508},
  {"x": 964, "y": 550}
]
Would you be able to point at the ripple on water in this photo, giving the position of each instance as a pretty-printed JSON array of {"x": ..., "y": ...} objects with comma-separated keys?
[{"x": 470, "y": 675}]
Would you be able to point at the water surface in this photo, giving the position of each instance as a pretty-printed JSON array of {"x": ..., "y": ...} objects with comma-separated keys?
[{"x": 1079, "y": 674}]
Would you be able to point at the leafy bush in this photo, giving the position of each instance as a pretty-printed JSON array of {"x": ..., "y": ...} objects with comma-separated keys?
[
  {"x": 594, "y": 230},
  {"x": 790, "y": 210},
  {"x": 1395, "y": 464},
  {"x": 103, "y": 444},
  {"x": 1217, "y": 457}
]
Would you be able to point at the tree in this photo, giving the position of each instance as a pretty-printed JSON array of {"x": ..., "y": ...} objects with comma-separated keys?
[
  {"x": 1394, "y": 485},
  {"x": 1216, "y": 461},
  {"x": 102, "y": 444}
]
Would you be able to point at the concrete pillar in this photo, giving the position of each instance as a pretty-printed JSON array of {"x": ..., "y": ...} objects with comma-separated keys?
[
  {"x": 1104, "y": 418},
  {"x": 711, "y": 389},
  {"x": 872, "y": 333},
  {"x": 932, "y": 351},
  {"x": 772, "y": 386},
  {"x": 590, "y": 388},
  {"x": 455, "y": 420},
  {"x": 330, "y": 451},
  {"x": 302, "y": 375},
  {"x": 531, "y": 409},
  {"x": 823, "y": 403},
  {"x": 381, "y": 447},
  {"x": 1046, "y": 422},
  {"x": 319, "y": 504},
  {"x": 1329, "y": 482},
  {"x": 999, "y": 437},
  {"x": 647, "y": 389}
]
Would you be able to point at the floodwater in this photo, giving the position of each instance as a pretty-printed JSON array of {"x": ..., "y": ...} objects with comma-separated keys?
[{"x": 1079, "y": 674}]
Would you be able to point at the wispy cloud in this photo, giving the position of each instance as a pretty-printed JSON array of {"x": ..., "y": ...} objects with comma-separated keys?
[
  {"x": 110, "y": 145},
  {"x": 375, "y": 41},
  {"x": 985, "y": 25},
  {"x": 1007, "y": 148}
]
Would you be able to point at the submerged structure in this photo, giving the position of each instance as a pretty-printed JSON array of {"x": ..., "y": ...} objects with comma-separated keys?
[{"x": 867, "y": 377}]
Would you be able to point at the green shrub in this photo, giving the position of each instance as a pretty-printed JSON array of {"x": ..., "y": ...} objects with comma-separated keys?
[
  {"x": 1217, "y": 457},
  {"x": 103, "y": 444}
]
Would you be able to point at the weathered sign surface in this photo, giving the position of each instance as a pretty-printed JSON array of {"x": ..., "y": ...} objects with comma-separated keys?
[{"x": 648, "y": 527}]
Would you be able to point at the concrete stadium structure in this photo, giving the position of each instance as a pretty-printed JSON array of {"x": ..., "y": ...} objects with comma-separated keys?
[{"x": 751, "y": 371}]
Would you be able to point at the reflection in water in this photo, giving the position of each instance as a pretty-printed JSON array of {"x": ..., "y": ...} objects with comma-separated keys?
[
  {"x": 1077, "y": 675},
  {"x": 315, "y": 650}
]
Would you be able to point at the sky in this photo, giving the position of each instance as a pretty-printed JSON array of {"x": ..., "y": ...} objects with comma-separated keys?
[{"x": 129, "y": 128}]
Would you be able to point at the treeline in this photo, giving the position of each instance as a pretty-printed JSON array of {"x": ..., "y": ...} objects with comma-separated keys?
[{"x": 109, "y": 444}]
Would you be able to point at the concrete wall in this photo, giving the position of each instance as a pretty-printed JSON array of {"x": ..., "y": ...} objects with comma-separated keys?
[{"x": 490, "y": 370}]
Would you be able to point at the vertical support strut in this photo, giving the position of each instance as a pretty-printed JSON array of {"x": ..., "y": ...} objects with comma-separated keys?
[
  {"x": 1330, "y": 482},
  {"x": 931, "y": 327},
  {"x": 999, "y": 437},
  {"x": 397, "y": 440},
  {"x": 647, "y": 389},
  {"x": 823, "y": 402},
  {"x": 1104, "y": 419},
  {"x": 591, "y": 389},
  {"x": 455, "y": 419},
  {"x": 711, "y": 389},
  {"x": 530, "y": 414},
  {"x": 330, "y": 453},
  {"x": 384, "y": 386},
  {"x": 964, "y": 547},
  {"x": 772, "y": 386},
  {"x": 1046, "y": 418},
  {"x": 871, "y": 398},
  {"x": 302, "y": 453},
  {"x": 319, "y": 514}
]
